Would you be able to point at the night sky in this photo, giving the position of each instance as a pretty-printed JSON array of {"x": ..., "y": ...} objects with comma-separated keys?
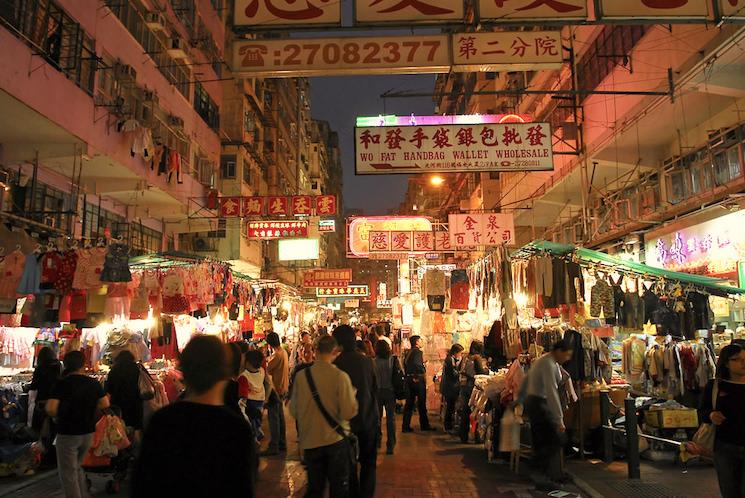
[{"x": 339, "y": 100}]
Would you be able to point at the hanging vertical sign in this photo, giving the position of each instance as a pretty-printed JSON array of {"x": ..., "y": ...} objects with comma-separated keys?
[
  {"x": 408, "y": 11},
  {"x": 653, "y": 9},
  {"x": 482, "y": 229},
  {"x": 532, "y": 10},
  {"x": 280, "y": 13}
]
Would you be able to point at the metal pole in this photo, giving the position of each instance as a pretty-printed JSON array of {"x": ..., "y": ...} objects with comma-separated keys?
[
  {"x": 604, "y": 421},
  {"x": 632, "y": 439}
]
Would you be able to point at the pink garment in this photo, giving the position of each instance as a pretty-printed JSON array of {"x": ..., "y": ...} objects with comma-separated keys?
[
  {"x": 512, "y": 382},
  {"x": 11, "y": 271}
]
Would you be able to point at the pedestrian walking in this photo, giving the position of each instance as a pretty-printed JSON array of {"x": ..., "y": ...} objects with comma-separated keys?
[
  {"x": 254, "y": 389},
  {"x": 279, "y": 371},
  {"x": 475, "y": 364},
  {"x": 122, "y": 385},
  {"x": 73, "y": 403},
  {"x": 198, "y": 447},
  {"x": 450, "y": 383},
  {"x": 387, "y": 370},
  {"x": 46, "y": 374},
  {"x": 365, "y": 424},
  {"x": 323, "y": 402},
  {"x": 542, "y": 405},
  {"x": 723, "y": 404},
  {"x": 416, "y": 379}
]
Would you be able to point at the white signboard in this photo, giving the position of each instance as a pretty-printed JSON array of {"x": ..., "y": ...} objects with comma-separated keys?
[
  {"x": 482, "y": 229},
  {"x": 342, "y": 56},
  {"x": 286, "y": 13},
  {"x": 453, "y": 148},
  {"x": 409, "y": 11},
  {"x": 653, "y": 9},
  {"x": 532, "y": 10},
  {"x": 507, "y": 51}
]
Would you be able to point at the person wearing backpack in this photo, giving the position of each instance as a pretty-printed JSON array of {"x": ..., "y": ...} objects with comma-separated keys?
[
  {"x": 474, "y": 364},
  {"x": 390, "y": 387}
]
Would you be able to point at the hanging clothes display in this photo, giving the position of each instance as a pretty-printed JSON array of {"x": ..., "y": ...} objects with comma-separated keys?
[
  {"x": 116, "y": 264},
  {"x": 459, "y": 290},
  {"x": 435, "y": 289}
]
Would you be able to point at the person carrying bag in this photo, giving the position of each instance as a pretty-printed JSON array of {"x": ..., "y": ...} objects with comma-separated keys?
[{"x": 349, "y": 437}]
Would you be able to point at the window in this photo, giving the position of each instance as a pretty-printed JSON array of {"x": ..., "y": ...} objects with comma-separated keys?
[
  {"x": 206, "y": 107},
  {"x": 97, "y": 220},
  {"x": 62, "y": 42},
  {"x": 228, "y": 167},
  {"x": 676, "y": 184},
  {"x": 144, "y": 240}
]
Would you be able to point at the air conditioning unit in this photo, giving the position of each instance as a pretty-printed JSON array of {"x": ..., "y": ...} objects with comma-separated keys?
[
  {"x": 124, "y": 72},
  {"x": 175, "y": 121},
  {"x": 178, "y": 49},
  {"x": 155, "y": 21}
]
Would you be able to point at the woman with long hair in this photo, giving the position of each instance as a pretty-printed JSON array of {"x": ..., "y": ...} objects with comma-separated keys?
[
  {"x": 723, "y": 405},
  {"x": 450, "y": 383},
  {"x": 475, "y": 364}
]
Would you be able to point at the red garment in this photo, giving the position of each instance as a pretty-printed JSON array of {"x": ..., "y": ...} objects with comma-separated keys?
[
  {"x": 66, "y": 272},
  {"x": 160, "y": 348},
  {"x": 51, "y": 263},
  {"x": 244, "y": 389},
  {"x": 689, "y": 365},
  {"x": 79, "y": 305}
]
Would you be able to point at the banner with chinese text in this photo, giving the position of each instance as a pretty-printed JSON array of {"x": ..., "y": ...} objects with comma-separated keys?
[
  {"x": 482, "y": 229},
  {"x": 344, "y": 291},
  {"x": 298, "y": 205},
  {"x": 653, "y": 9},
  {"x": 453, "y": 148},
  {"x": 278, "y": 13},
  {"x": 327, "y": 277},
  {"x": 532, "y": 10},
  {"x": 277, "y": 229},
  {"x": 507, "y": 51},
  {"x": 408, "y": 11}
]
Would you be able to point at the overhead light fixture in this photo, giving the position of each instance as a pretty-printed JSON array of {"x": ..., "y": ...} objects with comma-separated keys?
[{"x": 436, "y": 180}]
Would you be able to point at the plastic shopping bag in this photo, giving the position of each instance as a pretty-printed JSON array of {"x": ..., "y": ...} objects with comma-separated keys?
[{"x": 509, "y": 432}]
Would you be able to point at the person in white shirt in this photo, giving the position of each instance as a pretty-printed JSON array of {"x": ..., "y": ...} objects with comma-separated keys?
[
  {"x": 254, "y": 387},
  {"x": 542, "y": 405}
]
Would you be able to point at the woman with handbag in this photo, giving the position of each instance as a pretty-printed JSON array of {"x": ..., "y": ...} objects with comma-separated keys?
[
  {"x": 723, "y": 405},
  {"x": 450, "y": 384},
  {"x": 387, "y": 369}
]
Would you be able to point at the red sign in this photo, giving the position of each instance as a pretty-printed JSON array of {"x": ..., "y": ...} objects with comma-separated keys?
[
  {"x": 253, "y": 206},
  {"x": 327, "y": 277},
  {"x": 230, "y": 206},
  {"x": 277, "y": 229},
  {"x": 326, "y": 205},
  {"x": 301, "y": 204},
  {"x": 235, "y": 207}
]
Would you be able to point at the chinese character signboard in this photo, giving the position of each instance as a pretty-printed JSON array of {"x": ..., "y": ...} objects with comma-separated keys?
[
  {"x": 277, "y": 229},
  {"x": 327, "y": 277},
  {"x": 342, "y": 56},
  {"x": 507, "y": 51},
  {"x": 299, "y": 205},
  {"x": 712, "y": 248},
  {"x": 653, "y": 9},
  {"x": 399, "y": 244},
  {"x": 453, "y": 148},
  {"x": 279, "y": 13},
  {"x": 409, "y": 11},
  {"x": 230, "y": 206},
  {"x": 344, "y": 291},
  {"x": 551, "y": 10},
  {"x": 359, "y": 230},
  {"x": 482, "y": 229}
]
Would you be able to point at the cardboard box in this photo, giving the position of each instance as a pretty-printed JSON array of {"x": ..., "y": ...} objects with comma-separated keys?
[{"x": 673, "y": 419}]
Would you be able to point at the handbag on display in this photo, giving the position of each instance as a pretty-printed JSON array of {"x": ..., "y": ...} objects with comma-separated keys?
[
  {"x": 705, "y": 435},
  {"x": 145, "y": 384},
  {"x": 354, "y": 445}
]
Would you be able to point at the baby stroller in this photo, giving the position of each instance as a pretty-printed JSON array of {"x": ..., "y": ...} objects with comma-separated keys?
[{"x": 111, "y": 453}]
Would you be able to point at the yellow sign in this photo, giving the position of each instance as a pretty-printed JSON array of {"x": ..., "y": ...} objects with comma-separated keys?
[
  {"x": 342, "y": 56},
  {"x": 653, "y": 9},
  {"x": 530, "y": 10},
  {"x": 286, "y": 13},
  {"x": 359, "y": 228}
]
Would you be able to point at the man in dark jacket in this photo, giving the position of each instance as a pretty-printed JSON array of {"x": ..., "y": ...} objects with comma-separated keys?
[
  {"x": 361, "y": 371},
  {"x": 416, "y": 379}
]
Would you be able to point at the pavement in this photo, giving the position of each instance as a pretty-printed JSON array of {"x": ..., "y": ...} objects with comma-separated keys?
[{"x": 425, "y": 465}]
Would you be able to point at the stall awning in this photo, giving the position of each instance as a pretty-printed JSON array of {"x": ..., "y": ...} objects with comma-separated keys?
[
  {"x": 169, "y": 259},
  {"x": 589, "y": 257}
]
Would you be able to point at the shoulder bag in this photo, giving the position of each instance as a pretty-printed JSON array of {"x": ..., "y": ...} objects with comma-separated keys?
[
  {"x": 705, "y": 435},
  {"x": 354, "y": 447}
]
